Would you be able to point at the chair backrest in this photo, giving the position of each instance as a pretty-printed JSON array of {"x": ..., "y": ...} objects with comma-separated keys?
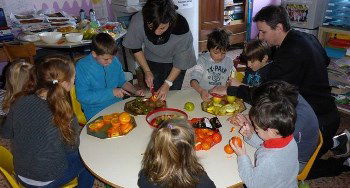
[
  {"x": 6, "y": 166},
  {"x": 23, "y": 51},
  {"x": 77, "y": 107},
  {"x": 303, "y": 174}
]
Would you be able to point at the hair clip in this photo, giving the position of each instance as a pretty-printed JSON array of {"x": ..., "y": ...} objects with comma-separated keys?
[
  {"x": 54, "y": 81},
  {"x": 170, "y": 126}
]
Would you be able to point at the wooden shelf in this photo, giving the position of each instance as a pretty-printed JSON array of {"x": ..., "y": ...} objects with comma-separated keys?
[{"x": 324, "y": 31}]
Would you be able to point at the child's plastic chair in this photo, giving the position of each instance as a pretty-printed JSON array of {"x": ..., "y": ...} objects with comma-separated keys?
[
  {"x": 77, "y": 107},
  {"x": 6, "y": 168},
  {"x": 303, "y": 174}
]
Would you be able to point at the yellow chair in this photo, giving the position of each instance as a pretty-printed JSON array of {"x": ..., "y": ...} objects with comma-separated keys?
[
  {"x": 77, "y": 107},
  {"x": 6, "y": 168},
  {"x": 303, "y": 174}
]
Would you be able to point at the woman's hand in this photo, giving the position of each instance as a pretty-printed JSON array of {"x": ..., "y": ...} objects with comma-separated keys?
[
  {"x": 233, "y": 82},
  {"x": 221, "y": 90},
  {"x": 149, "y": 78},
  {"x": 163, "y": 91},
  {"x": 238, "y": 150},
  {"x": 119, "y": 92},
  {"x": 205, "y": 95}
]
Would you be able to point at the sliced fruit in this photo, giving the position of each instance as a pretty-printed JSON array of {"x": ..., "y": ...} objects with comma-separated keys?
[
  {"x": 230, "y": 99},
  {"x": 124, "y": 118},
  {"x": 216, "y": 99}
]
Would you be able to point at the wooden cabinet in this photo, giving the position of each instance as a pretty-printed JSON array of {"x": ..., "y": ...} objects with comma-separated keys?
[{"x": 228, "y": 14}]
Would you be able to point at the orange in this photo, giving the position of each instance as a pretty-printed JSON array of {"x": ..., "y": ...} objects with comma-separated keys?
[
  {"x": 198, "y": 147},
  {"x": 93, "y": 127},
  {"x": 228, "y": 149},
  {"x": 112, "y": 132},
  {"x": 217, "y": 138},
  {"x": 115, "y": 122},
  {"x": 201, "y": 135},
  {"x": 198, "y": 139},
  {"x": 125, "y": 128},
  {"x": 205, "y": 131},
  {"x": 124, "y": 117},
  {"x": 210, "y": 132},
  {"x": 238, "y": 140},
  {"x": 99, "y": 123},
  {"x": 209, "y": 140},
  {"x": 206, "y": 145},
  {"x": 153, "y": 98},
  {"x": 107, "y": 119},
  {"x": 115, "y": 115}
]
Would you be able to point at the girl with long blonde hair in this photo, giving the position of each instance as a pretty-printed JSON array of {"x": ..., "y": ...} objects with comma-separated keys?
[
  {"x": 20, "y": 79},
  {"x": 44, "y": 131},
  {"x": 170, "y": 159}
]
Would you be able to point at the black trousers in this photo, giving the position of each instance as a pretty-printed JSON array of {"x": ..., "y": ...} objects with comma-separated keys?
[{"x": 161, "y": 71}]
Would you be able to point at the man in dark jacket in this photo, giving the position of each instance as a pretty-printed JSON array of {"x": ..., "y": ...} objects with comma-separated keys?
[{"x": 300, "y": 60}]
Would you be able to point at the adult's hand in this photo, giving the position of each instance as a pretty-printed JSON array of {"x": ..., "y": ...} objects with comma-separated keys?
[
  {"x": 149, "y": 79},
  {"x": 163, "y": 91}
]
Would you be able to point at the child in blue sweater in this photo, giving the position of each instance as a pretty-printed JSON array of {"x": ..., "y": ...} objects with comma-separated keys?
[
  {"x": 100, "y": 79},
  {"x": 276, "y": 158}
]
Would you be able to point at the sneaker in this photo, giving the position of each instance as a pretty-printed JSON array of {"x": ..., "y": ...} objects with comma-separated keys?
[{"x": 343, "y": 148}]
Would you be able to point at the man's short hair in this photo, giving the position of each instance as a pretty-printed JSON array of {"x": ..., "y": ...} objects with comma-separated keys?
[
  {"x": 273, "y": 15},
  {"x": 219, "y": 38},
  {"x": 103, "y": 43},
  {"x": 273, "y": 107}
]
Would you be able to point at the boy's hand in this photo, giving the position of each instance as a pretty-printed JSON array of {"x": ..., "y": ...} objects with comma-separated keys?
[
  {"x": 238, "y": 150},
  {"x": 140, "y": 92},
  {"x": 205, "y": 95},
  {"x": 221, "y": 90},
  {"x": 243, "y": 121},
  {"x": 119, "y": 92},
  {"x": 233, "y": 82},
  {"x": 149, "y": 78}
]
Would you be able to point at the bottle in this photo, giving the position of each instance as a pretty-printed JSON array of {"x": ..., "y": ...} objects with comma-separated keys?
[
  {"x": 82, "y": 14},
  {"x": 92, "y": 15}
]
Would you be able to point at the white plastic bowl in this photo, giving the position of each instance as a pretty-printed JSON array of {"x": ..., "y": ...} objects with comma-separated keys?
[
  {"x": 50, "y": 37},
  {"x": 31, "y": 38},
  {"x": 74, "y": 37}
]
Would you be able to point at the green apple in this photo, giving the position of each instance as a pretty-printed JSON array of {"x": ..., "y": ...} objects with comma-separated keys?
[
  {"x": 303, "y": 184},
  {"x": 230, "y": 99}
]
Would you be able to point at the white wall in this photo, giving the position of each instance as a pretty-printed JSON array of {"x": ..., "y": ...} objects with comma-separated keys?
[{"x": 190, "y": 12}]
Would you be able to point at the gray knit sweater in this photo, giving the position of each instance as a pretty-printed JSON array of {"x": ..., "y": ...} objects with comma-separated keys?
[
  {"x": 274, "y": 167},
  {"x": 38, "y": 149}
]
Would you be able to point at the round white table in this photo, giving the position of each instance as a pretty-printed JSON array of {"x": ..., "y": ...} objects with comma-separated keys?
[{"x": 117, "y": 161}]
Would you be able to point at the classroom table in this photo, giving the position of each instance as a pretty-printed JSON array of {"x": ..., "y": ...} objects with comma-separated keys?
[{"x": 117, "y": 161}]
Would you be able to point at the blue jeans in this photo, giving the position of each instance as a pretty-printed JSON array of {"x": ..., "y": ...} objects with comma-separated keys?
[{"x": 75, "y": 168}]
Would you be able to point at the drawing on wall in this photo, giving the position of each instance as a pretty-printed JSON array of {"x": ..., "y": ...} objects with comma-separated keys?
[{"x": 297, "y": 12}]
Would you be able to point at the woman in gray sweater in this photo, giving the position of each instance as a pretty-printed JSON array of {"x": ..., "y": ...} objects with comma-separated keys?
[{"x": 44, "y": 131}]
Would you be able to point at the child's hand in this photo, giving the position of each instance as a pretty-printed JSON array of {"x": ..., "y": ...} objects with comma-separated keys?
[
  {"x": 221, "y": 90},
  {"x": 140, "y": 92},
  {"x": 246, "y": 131},
  {"x": 205, "y": 95},
  {"x": 238, "y": 150},
  {"x": 119, "y": 92},
  {"x": 243, "y": 121},
  {"x": 233, "y": 82}
]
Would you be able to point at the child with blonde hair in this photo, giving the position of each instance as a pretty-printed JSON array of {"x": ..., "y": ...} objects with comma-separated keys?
[
  {"x": 20, "y": 79},
  {"x": 170, "y": 159},
  {"x": 44, "y": 131}
]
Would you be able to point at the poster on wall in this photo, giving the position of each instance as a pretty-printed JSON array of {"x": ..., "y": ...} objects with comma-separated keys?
[{"x": 183, "y": 4}]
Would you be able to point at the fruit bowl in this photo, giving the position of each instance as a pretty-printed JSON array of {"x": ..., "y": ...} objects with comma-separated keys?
[
  {"x": 156, "y": 117},
  {"x": 50, "y": 37},
  {"x": 223, "y": 106},
  {"x": 74, "y": 37}
]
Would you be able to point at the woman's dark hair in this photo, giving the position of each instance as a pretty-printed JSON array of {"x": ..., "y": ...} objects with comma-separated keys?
[
  {"x": 219, "y": 39},
  {"x": 273, "y": 15},
  {"x": 156, "y": 12},
  {"x": 256, "y": 50},
  {"x": 104, "y": 43}
]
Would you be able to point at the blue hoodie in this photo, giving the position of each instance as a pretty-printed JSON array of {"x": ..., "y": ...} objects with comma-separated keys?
[{"x": 94, "y": 84}]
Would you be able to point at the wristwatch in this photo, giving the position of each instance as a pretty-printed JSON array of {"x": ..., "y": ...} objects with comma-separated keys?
[{"x": 170, "y": 83}]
